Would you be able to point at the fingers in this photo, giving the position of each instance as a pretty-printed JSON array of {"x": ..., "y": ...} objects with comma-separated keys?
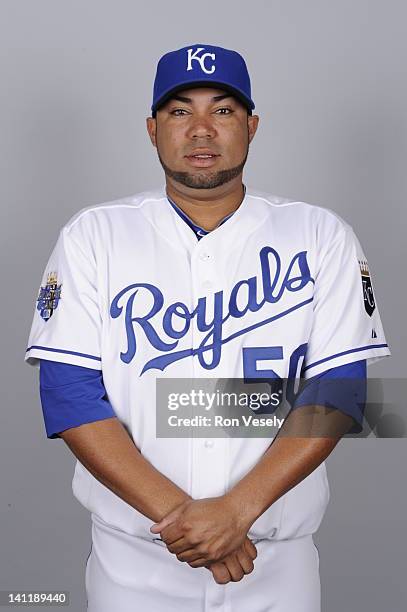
[
  {"x": 179, "y": 546},
  {"x": 245, "y": 561},
  {"x": 236, "y": 565},
  {"x": 220, "y": 572},
  {"x": 198, "y": 562},
  {"x": 193, "y": 557},
  {"x": 233, "y": 567},
  {"x": 250, "y": 548}
]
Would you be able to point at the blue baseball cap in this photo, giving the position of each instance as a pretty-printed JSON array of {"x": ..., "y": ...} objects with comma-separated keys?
[{"x": 198, "y": 66}]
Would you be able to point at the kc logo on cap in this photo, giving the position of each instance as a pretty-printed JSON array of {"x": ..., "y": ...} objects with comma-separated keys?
[{"x": 193, "y": 55}]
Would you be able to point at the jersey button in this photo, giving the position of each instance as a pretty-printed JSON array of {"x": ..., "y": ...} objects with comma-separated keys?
[
  {"x": 204, "y": 256},
  {"x": 207, "y": 285},
  {"x": 208, "y": 443}
]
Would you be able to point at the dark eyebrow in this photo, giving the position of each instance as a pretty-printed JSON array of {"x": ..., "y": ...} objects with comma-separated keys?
[{"x": 189, "y": 100}]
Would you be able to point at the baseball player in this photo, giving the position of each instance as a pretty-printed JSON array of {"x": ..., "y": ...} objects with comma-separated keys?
[{"x": 203, "y": 277}]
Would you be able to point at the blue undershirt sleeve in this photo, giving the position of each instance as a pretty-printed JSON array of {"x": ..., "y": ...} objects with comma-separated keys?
[
  {"x": 71, "y": 395},
  {"x": 342, "y": 388}
]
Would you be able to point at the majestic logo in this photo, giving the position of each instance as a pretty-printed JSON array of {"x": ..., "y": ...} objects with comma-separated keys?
[
  {"x": 368, "y": 295},
  {"x": 193, "y": 55},
  {"x": 163, "y": 326},
  {"x": 49, "y": 296}
]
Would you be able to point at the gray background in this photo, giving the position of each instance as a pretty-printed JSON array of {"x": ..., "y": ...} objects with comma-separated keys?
[{"x": 329, "y": 85}]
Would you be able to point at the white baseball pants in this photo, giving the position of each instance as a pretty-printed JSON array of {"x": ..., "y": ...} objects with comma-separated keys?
[{"x": 131, "y": 574}]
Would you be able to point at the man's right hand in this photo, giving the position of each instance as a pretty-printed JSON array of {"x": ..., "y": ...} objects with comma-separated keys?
[{"x": 235, "y": 565}]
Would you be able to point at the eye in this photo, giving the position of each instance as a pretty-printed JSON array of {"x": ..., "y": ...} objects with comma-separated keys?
[
  {"x": 178, "y": 112},
  {"x": 224, "y": 108}
]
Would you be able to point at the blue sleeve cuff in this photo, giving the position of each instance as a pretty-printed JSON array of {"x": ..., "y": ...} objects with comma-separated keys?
[
  {"x": 71, "y": 395},
  {"x": 342, "y": 388}
]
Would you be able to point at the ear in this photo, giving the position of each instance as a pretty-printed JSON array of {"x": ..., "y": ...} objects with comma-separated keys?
[
  {"x": 252, "y": 123},
  {"x": 151, "y": 124}
]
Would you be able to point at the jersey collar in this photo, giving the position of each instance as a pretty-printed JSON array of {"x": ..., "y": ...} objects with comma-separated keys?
[{"x": 198, "y": 230}]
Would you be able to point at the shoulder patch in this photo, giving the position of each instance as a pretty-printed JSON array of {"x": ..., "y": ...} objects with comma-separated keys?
[
  {"x": 49, "y": 296},
  {"x": 368, "y": 295}
]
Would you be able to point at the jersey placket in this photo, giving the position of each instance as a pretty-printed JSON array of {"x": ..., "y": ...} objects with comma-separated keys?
[{"x": 209, "y": 470}]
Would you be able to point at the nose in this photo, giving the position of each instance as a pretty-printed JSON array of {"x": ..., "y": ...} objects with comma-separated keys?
[{"x": 201, "y": 127}]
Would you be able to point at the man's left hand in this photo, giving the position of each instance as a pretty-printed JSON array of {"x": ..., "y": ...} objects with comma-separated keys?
[{"x": 202, "y": 531}]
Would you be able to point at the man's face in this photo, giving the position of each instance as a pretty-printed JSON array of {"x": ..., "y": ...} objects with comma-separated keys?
[{"x": 202, "y": 137}]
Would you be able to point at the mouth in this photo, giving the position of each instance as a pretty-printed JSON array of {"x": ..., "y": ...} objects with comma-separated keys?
[{"x": 202, "y": 159}]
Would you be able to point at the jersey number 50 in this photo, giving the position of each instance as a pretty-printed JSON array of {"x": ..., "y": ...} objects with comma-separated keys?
[{"x": 253, "y": 374}]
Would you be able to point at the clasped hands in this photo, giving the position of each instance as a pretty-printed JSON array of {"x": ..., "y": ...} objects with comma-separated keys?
[{"x": 209, "y": 533}]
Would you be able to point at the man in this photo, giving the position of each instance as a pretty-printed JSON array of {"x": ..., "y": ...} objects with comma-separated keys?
[{"x": 202, "y": 278}]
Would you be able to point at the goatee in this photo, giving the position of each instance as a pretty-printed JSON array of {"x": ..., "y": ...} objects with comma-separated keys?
[{"x": 204, "y": 180}]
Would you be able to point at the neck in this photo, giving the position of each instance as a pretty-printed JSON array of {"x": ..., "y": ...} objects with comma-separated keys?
[{"x": 207, "y": 207}]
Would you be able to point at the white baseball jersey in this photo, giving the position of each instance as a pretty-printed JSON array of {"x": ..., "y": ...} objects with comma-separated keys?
[{"x": 282, "y": 285}]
